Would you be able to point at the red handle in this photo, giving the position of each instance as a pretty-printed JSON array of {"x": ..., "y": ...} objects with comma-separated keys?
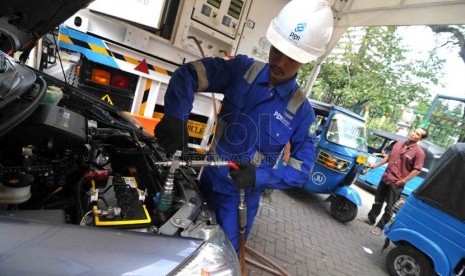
[
  {"x": 97, "y": 175},
  {"x": 233, "y": 165}
]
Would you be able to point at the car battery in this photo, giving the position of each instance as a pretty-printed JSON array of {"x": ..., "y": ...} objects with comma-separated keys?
[{"x": 119, "y": 203}]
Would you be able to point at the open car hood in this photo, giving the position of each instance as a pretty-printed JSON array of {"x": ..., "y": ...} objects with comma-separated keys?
[{"x": 22, "y": 22}]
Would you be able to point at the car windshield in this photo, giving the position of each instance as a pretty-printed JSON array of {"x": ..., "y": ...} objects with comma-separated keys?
[{"x": 347, "y": 132}]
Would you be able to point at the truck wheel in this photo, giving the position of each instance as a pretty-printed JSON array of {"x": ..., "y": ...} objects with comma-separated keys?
[
  {"x": 406, "y": 260},
  {"x": 343, "y": 209}
]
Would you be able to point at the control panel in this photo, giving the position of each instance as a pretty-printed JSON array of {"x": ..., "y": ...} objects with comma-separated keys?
[{"x": 222, "y": 16}]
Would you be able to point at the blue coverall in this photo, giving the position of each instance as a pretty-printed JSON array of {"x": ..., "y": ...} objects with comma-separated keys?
[{"x": 255, "y": 123}]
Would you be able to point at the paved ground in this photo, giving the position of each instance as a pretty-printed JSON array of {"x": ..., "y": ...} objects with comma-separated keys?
[{"x": 296, "y": 231}]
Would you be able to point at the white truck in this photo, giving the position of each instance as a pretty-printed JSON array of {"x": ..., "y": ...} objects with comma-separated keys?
[{"x": 129, "y": 48}]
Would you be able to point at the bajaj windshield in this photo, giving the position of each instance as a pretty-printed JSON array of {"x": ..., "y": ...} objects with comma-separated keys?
[{"x": 347, "y": 132}]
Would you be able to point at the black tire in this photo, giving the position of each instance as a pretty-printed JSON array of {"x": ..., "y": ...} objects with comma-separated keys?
[
  {"x": 343, "y": 209},
  {"x": 406, "y": 260}
]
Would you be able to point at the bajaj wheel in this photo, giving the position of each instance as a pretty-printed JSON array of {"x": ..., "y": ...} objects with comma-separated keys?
[
  {"x": 343, "y": 209},
  {"x": 406, "y": 260}
]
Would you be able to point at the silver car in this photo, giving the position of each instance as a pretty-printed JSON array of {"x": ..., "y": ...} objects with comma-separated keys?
[{"x": 83, "y": 189}]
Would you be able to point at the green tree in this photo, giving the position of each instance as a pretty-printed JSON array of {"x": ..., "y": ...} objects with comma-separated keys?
[
  {"x": 454, "y": 37},
  {"x": 370, "y": 68}
]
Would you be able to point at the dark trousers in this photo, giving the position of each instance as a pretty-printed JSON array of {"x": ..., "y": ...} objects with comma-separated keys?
[{"x": 387, "y": 193}]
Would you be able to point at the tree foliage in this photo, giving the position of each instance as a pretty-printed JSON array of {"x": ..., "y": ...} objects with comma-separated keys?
[
  {"x": 450, "y": 121},
  {"x": 370, "y": 68},
  {"x": 454, "y": 36}
]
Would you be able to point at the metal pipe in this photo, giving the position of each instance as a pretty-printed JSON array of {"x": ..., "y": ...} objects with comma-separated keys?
[
  {"x": 195, "y": 163},
  {"x": 264, "y": 267},
  {"x": 242, "y": 213},
  {"x": 262, "y": 257}
]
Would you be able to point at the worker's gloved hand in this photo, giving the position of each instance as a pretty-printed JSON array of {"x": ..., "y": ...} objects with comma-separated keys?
[
  {"x": 171, "y": 134},
  {"x": 245, "y": 176}
]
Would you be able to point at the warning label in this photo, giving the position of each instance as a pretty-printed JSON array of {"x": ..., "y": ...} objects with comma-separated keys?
[{"x": 195, "y": 129}]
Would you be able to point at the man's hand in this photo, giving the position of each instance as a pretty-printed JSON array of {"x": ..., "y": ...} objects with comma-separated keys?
[
  {"x": 399, "y": 183},
  {"x": 171, "y": 134},
  {"x": 245, "y": 176}
]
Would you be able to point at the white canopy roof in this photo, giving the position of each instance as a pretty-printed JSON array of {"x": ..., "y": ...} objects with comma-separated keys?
[
  {"x": 351, "y": 13},
  {"x": 399, "y": 12}
]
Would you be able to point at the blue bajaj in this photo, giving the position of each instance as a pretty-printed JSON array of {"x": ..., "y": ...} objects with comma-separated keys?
[
  {"x": 429, "y": 229},
  {"x": 341, "y": 148}
]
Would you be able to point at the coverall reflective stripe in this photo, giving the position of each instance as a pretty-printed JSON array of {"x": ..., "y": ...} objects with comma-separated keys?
[{"x": 255, "y": 123}]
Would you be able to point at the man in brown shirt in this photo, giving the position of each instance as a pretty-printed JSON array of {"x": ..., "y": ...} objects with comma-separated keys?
[{"x": 404, "y": 163}]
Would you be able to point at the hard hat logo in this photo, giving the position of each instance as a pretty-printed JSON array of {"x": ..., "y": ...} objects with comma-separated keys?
[
  {"x": 294, "y": 37},
  {"x": 300, "y": 27}
]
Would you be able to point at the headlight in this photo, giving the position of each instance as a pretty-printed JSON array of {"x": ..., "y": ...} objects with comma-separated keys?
[
  {"x": 331, "y": 162},
  {"x": 216, "y": 257}
]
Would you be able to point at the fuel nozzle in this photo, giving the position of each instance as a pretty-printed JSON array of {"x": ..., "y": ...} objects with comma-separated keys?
[{"x": 166, "y": 197}]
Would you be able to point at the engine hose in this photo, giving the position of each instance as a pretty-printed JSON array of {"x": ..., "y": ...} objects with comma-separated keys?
[{"x": 198, "y": 43}]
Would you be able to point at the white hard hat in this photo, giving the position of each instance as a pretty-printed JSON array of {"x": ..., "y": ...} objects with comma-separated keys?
[{"x": 302, "y": 29}]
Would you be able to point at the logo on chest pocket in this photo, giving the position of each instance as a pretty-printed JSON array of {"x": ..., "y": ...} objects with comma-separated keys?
[{"x": 281, "y": 118}]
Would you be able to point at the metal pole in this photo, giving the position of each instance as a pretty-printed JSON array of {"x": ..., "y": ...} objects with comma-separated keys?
[
  {"x": 433, "y": 105},
  {"x": 242, "y": 213},
  {"x": 312, "y": 78},
  {"x": 430, "y": 112}
]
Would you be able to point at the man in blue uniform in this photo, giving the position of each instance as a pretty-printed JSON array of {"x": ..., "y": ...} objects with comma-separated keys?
[{"x": 263, "y": 109}]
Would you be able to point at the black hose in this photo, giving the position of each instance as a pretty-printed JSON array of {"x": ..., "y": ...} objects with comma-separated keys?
[{"x": 79, "y": 186}]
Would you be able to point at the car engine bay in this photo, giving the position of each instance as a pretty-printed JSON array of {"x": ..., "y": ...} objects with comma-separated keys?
[{"x": 83, "y": 162}]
